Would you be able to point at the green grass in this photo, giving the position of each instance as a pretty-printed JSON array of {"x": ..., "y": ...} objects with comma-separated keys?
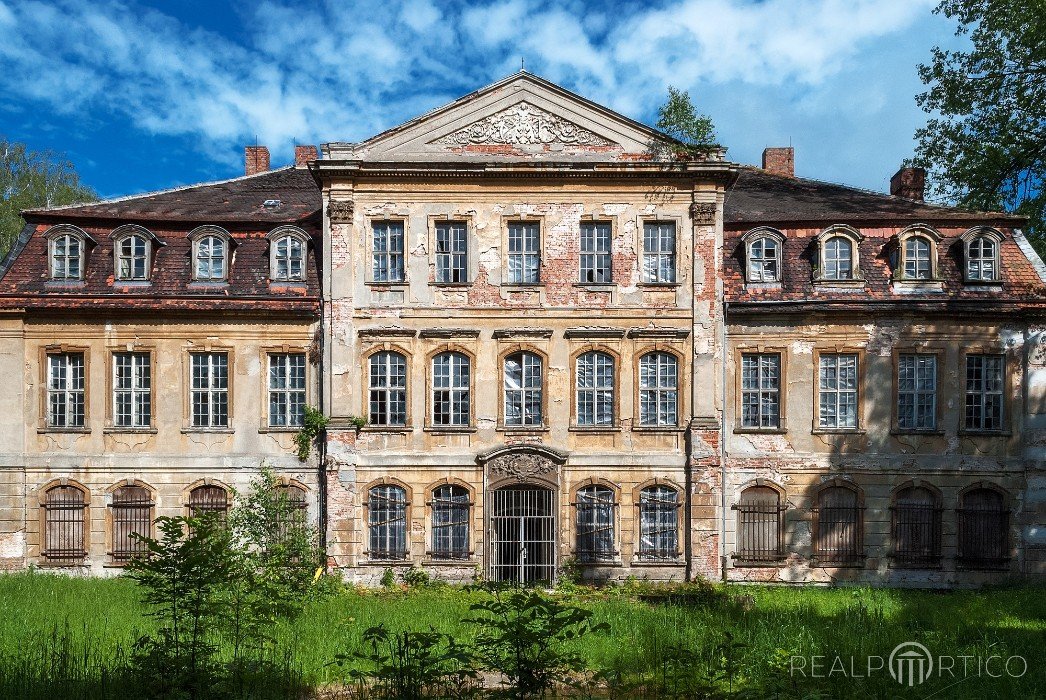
[{"x": 89, "y": 623}]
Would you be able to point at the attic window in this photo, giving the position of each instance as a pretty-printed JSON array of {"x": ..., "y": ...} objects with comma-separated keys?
[
  {"x": 981, "y": 249},
  {"x": 272, "y": 203},
  {"x": 210, "y": 251},
  {"x": 763, "y": 248},
  {"x": 918, "y": 254},
  {"x": 839, "y": 255}
]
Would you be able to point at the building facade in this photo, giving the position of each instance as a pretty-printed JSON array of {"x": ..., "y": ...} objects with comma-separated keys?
[{"x": 541, "y": 346}]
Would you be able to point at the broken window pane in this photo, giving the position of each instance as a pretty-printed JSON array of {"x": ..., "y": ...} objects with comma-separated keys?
[
  {"x": 451, "y": 252},
  {"x": 595, "y": 253},
  {"x": 659, "y": 252},
  {"x": 523, "y": 389},
  {"x": 595, "y": 524},
  {"x": 524, "y": 253},
  {"x": 388, "y": 389},
  {"x": 984, "y": 392}
]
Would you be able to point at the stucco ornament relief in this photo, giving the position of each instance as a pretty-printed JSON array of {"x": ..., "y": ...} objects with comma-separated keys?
[
  {"x": 340, "y": 211},
  {"x": 523, "y": 124},
  {"x": 521, "y": 466}
]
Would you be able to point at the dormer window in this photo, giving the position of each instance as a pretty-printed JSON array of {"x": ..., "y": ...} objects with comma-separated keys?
[
  {"x": 287, "y": 254},
  {"x": 133, "y": 249},
  {"x": 763, "y": 248},
  {"x": 65, "y": 249},
  {"x": 839, "y": 253},
  {"x": 210, "y": 254},
  {"x": 918, "y": 251},
  {"x": 982, "y": 254}
]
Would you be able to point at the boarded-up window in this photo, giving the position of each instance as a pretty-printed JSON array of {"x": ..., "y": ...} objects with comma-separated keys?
[
  {"x": 387, "y": 522},
  {"x": 208, "y": 499},
  {"x": 450, "y": 522},
  {"x": 64, "y": 509},
  {"x": 983, "y": 530},
  {"x": 595, "y": 524},
  {"x": 837, "y": 526},
  {"x": 132, "y": 513},
  {"x": 916, "y": 528},
  {"x": 759, "y": 525},
  {"x": 658, "y": 523}
]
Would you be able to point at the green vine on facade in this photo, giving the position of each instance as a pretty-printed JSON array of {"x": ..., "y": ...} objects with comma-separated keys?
[{"x": 313, "y": 424}]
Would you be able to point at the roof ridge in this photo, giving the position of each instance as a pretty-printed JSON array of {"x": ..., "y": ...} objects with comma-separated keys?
[{"x": 142, "y": 195}]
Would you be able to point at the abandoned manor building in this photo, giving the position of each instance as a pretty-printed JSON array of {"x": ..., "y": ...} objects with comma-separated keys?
[{"x": 541, "y": 342}]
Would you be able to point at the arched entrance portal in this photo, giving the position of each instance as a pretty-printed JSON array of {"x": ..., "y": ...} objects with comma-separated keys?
[{"x": 523, "y": 535}]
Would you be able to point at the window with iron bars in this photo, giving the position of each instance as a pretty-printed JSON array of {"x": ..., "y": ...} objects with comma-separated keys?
[
  {"x": 451, "y": 252},
  {"x": 984, "y": 392},
  {"x": 210, "y": 389},
  {"x": 64, "y": 541},
  {"x": 208, "y": 498},
  {"x": 131, "y": 512},
  {"x": 132, "y": 390},
  {"x": 387, "y": 522},
  {"x": 759, "y": 511},
  {"x": 917, "y": 392},
  {"x": 287, "y": 389},
  {"x": 595, "y": 253},
  {"x": 837, "y": 527},
  {"x": 387, "y": 249},
  {"x": 132, "y": 258},
  {"x": 658, "y": 523},
  {"x": 524, "y": 253},
  {"x": 984, "y": 526},
  {"x": 595, "y": 524},
  {"x": 294, "y": 512},
  {"x": 658, "y": 389},
  {"x": 451, "y": 385},
  {"x": 837, "y": 392},
  {"x": 65, "y": 390},
  {"x": 659, "y": 252},
  {"x": 523, "y": 387},
  {"x": 388, "y": 389},
  {"x": 595, "y": 389},
  {"x": 916, "y": 529},
  {"x": 761, "y": 391},
  {"x": 451, "y": 511}
]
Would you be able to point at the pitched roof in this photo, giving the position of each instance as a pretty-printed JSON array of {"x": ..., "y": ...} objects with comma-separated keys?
[
  {"x": 759, "y": 197},
  {"x": 240, "y": 199}
]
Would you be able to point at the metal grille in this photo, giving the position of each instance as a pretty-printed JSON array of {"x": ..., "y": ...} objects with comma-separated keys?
[
  {"x": 983, "y": 528},
  {"x": 132, "y": 513},
  {"x": 837, "y": 518},
  {"x": 451, "y": 252},
  {"x": 917, "y": 529},
  {"x": 595, "y": 524},
  {"x": 659, "y": 252},
  {"x": 595, "y": 253},
  {"x": 64, "y": 509},
  {"x": 658, "y": 523},
  {"x": 387, "y": 522},
  {"x": 450, "y": 522},
  {"x": 208, "y": 499},
  {"x": 759, "y": 525},
  {"x": 296, "y": 508},
  {"x": 522, "y": 535}
]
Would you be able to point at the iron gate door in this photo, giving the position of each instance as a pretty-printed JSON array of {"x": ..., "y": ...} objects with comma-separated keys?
[{"x": 522, "y": 535}]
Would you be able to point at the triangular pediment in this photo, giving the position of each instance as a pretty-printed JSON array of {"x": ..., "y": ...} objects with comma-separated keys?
[{"x": 520, "y": 118}]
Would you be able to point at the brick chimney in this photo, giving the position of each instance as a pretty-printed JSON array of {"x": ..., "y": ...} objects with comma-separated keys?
[
  {"x": 779, "y": 161},
  {"x": 909, "y": 183},
  {"x": 303, "y": 154},
  {"x": 256, "y": 159}
]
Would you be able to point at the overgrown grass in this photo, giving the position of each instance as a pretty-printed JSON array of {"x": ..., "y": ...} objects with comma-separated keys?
[{"x": 73, "y": 634}]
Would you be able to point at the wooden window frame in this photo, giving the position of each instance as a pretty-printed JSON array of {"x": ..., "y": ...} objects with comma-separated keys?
[
  {"x": 638, "y": 557},
  {"x": 503, "y": 354},
  {"x": 408, "y": 424},
  {"x": 817, "y": 428},
  {"x": 62, "y": 230},
  {"x": 615, "y": 357},
  {"x": 430, "y": 389},
  {"x": 739, "y": 353},
  {"x": 737, "y": 558},
  {"x": 110, "y": 415},
  {"x": 188, "y": 426},
  {"x": 1010, "y": 367},
  {"x": 854, "y": 237},
  {"x": 507, "y": 222},
  {"x": 641, "y": 223},
  {"x": 196, "y": 236},
  {"x": 206, "y": 483},
  {"x": 976, "y": 234},
  {"x": 637, "y": 418},
  {"x": 437, "y": 221},
  {"x": 749, "y": 239},
  {"x": 933, "y": 238},
  {"x": 939, "y": 354},
  {"x": 402, "y": 220},
  {"x": 594, "y": 223},
  {"x": 46, "y": 352},
  {"x": 123, "y": 233},
  {"x": 286, "y": 232},
  {"x": 267, "y": 355},
  {"x": 408, "y": 518}
]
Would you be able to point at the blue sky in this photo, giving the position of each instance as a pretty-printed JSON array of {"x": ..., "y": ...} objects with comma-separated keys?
[{"x": 143, "y": 96}]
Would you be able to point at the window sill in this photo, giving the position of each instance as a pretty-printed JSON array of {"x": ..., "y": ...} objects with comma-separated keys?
[
  {"x": 761, "y": 564},
  {"x": 596, "y": 286},
  {"x": 132, "y": 284},
  {"x": 65, "y": 284},
  {"x": 598, "y": 563},
  {"x": 288, "y": 284},
  {"x": 837, "y": 431},
  {"x": 280, "y": 429},
  {"x": 985, "y": 433},
  {"x": 522, "y": 429},
  {"x": 117, "y": 430},
  {"x": 594, "y": 429},
  {"x": 398, "y": 285},
  {"x": 855, "y": 282},
  {"x": 519, "y": 287},
  {"x": 675, "y": 562},
  {"x": 762, "y": 285},
  {"x": 56, "y": 429},
  {"x": 393, "y": 563},
  {"x": 760, "y": 431},
  {"x": 215, "y": 431},
  {"x": 989, "y": 285},
  {"x": 915, "y": 431},
  {"x": 469, "y": 561},
  {"x": 62, "y": 565},
  {"x": 454, "y": 285},
  {"x": 450, "y": 429},
  {"x": 208, "y": 284},
  {"x": 387, "y": 428},
  {"x": 657, "y": 429},
  {"x": 658, "y": 285}
]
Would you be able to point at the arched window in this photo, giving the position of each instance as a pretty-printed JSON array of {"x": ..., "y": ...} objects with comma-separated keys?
[
  {"x": 67, "y": 256},
  {"x": 759, "y": 513},
  {"x": 838, "y": 259},
  {"x": 916, "y": 528},
  {"x": 983, "y": 529},
  {"x": 388, "y": 389},
  {"x": 523, "y": 389},
  {"x": 658, "y": 389},
  {"x": 839, "y": 255},
  {"x": 294, "y": 508},
  {"x": 64, "y": 540},
  {"x": 837, "y": 526},
  {"x": 451, "y": 384},
  {"x": 288, "y": 258},
  {"x": 764, "y": 260},
  {"x": 451, "y": 508},
  {"x": 132, "y": 514},
  {"x": 210, "y": 254},
  {"x": 917, "y": 262},
  {"x": 387, "y": 522},
  {"x": 595, "y": 524},
  {"x": 595, "y": 389},
  {"x": 658, "y": 523},
  {"x": 208, "y": 499},
  {"x": 981, "y": 260},
  {"x": 132, "y": 257}
]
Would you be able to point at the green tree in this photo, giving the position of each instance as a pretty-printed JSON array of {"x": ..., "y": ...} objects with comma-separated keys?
[
  {"x": 693, "y": 133},
  {"x": 31, "y": 179},
  {"x": 985, "y": 145}
]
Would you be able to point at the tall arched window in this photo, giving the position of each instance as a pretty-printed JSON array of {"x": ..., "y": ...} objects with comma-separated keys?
[
  {"x": 66, "y": 252},
  {"x": 388, "y": 389},
  {"x": 387, "y": 522},
  {"x": 132, "y": 514},
  {"x": 451, "y": 508},
  {"x": 916, "y": 528},
  {"x": 658, "y": 523},
  {"x": 288, "y": 258},
  {"x": 523, "y": 389},
  {"x": 208, "y": 498},
  {"x": 64, "y": 539},
  {"x": 210, "y": 258},
  {"x": 595, "y": 524},
  {"x": 837, "y": 526},
  {"x": 983, "y": 529},
  {"x": 658, "y": 389},
  {"x": 917, "y": 262},
  {"x": 595, "y": 389},
  {"x": 759, "y": 513},
  {"x": 132, "y": 257},
  {"x": 451, "y": 389}
]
